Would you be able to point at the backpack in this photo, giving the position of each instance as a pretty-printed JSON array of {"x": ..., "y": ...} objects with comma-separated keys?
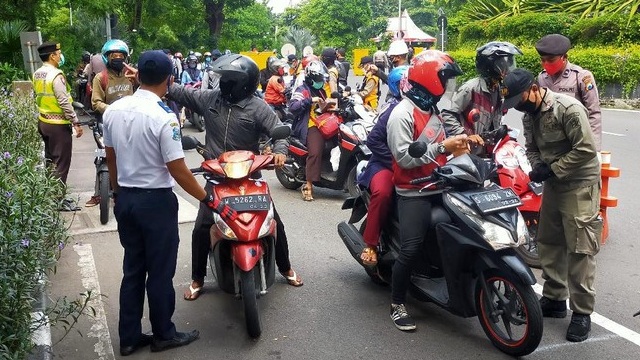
[{"x": 104, "y": 80}]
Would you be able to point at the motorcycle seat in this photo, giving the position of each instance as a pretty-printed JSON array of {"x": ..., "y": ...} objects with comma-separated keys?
[{"x": 297, "y": 143}]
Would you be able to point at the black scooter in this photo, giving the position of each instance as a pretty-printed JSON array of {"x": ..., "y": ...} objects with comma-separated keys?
[{"x": 469, "y": 265}]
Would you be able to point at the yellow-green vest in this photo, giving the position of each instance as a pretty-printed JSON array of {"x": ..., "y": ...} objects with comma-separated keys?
[{"x": 48, "y": 107}]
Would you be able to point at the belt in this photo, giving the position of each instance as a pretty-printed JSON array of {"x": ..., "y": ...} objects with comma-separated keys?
[
  {"x": 144, "y": 190},
  {"x": 53, "y": 116},
  {"x": 54, "y": 119}
]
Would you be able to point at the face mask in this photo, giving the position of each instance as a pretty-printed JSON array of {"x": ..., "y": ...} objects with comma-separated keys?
[
  {"x": 526, "y": 107},
  {"x": 117, "y": 64},
  {"x": 280, "y": 71},
  {"x": 192, "y": 65},
  {"x": 318, "y": 85},
  {"x": 552, "y": 68},
  {"x": 61, "y": 62},
  {"x": 207, "y": 59}
]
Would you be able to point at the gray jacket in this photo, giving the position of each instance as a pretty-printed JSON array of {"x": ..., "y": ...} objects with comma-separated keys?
[{"x": 230, "y": 126}]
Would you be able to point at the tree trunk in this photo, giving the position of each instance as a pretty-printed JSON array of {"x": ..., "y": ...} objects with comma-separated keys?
[{"x": 214, "y": 17}]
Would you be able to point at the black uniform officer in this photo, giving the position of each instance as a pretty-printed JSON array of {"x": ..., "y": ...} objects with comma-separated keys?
[{"x": 144, "y": 155}]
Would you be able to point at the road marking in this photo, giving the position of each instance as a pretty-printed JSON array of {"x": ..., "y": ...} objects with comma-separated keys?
[
  {"x": 99, "y": 329},
  {"x": 554, "y": 347},
  {"x": 614, "y": 134},
  {"x": 608, "y": 324}
]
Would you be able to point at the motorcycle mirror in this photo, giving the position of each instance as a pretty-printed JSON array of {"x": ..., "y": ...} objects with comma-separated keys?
[
  {"x": 189, "y": 142},
  {"x": 417, "y": 149},
  {"x": 281, "y": 132},
  {"x": 335, "y": 95},
  {"x": 77, "y": 105}
]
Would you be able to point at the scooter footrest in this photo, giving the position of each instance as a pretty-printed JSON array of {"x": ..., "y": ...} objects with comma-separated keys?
[{"x": 434, "y": 289}]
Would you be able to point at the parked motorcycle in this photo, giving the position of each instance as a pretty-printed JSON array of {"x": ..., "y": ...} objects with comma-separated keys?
[
  {"x": 513, "y": 172},
  {"x": 103, "y": 183},
  {"x": 350, "y": 140},
  {"x": 194, "y": 118},
  {"x": 242, "y": 254},
  {"x": 469, "y": 265}
]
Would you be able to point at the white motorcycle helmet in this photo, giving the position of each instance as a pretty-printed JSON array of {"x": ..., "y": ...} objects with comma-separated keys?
[{"x": 398, "y": 48}]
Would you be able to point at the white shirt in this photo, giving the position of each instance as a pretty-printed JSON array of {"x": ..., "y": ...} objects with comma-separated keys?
[{"x": 145, "y": 135}]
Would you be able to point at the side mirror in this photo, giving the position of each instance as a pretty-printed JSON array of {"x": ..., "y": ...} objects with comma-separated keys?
[
  {"x": 189, "y": 142},
  {"x": 417, "y": 149},
  {"x": 77, "y": 105},
  {"x": 280, "y": 132}
]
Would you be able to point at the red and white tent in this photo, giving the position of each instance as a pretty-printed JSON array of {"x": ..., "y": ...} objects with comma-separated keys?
[{"x": 404, "y": 28}]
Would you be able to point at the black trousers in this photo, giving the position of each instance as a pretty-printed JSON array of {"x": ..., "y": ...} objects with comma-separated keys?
[
  {"x": 57, "y": 147},
  {"x": 201, "y": 243},
  {"x": 414, "y": 216},
  {"x": 148, "y": 229}
]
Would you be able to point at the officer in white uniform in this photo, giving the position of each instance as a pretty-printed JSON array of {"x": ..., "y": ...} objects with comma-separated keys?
[{"x": 144, "y": 155}]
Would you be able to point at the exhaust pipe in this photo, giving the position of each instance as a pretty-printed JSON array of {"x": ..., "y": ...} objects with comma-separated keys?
[{"x": 352, "y": 239}]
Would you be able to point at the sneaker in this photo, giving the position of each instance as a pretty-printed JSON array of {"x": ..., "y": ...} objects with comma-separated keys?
[
  {"x": 553, "y": 308},
  {"x": 579, "y": 328},
  {"x": 95, "y": 200},
  {"x": 401, "y": 318}
]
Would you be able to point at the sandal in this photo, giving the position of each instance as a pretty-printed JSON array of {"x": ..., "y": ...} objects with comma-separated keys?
[
  {"x": 192, "y": 293},
  {"x": 294, "y": 279},
  {"x": 307, "y": 194},
  {"x": 369, "y": 256}
]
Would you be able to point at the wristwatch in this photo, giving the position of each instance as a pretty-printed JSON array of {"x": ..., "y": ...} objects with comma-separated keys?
[{"x": 441, "y": 148}]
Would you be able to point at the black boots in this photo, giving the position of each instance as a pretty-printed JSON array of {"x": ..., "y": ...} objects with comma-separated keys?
[
  {"x": 553, "y": 308},
  {"x": 579, "y": 328}
]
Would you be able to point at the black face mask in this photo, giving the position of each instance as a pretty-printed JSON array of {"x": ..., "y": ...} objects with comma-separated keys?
[
  {"x": 117, "y": 64},
  {"x": 529, "y": 107}
]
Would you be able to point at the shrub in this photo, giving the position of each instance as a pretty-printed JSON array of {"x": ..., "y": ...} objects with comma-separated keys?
[
  {"x": 610, "y": 30},
  {"x": 10, "y": 73},
  {"x": 32, "y": 233}
]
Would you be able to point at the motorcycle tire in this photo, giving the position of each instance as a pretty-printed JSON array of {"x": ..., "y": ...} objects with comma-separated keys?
[
  {"x": 529, "y": 251},
  {"x": 350, "y": 184},
  {"x": 512, "y": 304},
  {"x": 287, "y": 181},
  {"x": 372, "y": 271},
  {"x": 198, "y": 121},
  {"x": 250, "y": 302},
  {"x": 103, "y": 188}
]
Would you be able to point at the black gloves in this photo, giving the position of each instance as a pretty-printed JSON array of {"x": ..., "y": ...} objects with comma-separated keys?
[
  {"x": 541, "y": 173},
  {"x": 225, "y": 211}
]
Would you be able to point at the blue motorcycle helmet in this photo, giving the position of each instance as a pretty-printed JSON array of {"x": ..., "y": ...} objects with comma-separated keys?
[
  {"x": 114, "y": 45},
  {"x": 394, "y": 79}
]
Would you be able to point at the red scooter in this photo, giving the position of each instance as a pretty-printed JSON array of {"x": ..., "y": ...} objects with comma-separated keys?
[
  {"x": 242, "y": 253},
  {"x": 513, "y": 172}
]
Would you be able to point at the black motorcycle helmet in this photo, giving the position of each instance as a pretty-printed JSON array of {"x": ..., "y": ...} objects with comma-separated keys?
[
  {"x": 328, "y": 56},
  {"x": 238, "y": 76},
  {"x": 495, "y": 59},
  {"x": 86, "y": 57}
]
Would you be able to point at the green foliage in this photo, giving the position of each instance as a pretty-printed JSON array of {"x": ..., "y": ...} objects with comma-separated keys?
[
  {"x": 605, "y": 30},
  {"x": 10, "y": 73},
  {"x": 608, "y": 65},
  {"x": 300, "y": 38},
  {"x": 335, "y": 23},
  {"x": 248, "y": 25},
  {"x": 10, "y": 49},
  {"x": 590, "y": 8},
  {"x": 32, "y": 233}
]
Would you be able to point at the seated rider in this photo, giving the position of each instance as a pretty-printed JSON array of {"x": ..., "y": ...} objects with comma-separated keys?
[
  {"x": 305, "y": 101},
  {"x": 370, "y": 88},
  {"x": 476, "y": 107},
  {"x": 276, "y": 88},
  {"x": 378, "y": 175},
  {"x": 191, "y": 74}
]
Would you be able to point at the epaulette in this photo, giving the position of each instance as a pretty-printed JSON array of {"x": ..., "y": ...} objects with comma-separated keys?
[{"x": 165, "y": 107}]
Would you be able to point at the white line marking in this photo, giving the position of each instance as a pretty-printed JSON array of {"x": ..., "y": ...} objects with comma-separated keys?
[
  {"x": 99, "y": 329},
  {"x": 554, "y": 347},
  {"x": 614, "y": 134},
  {"x": 621, "y": 110},
  {"x": 608, "y": 324}
]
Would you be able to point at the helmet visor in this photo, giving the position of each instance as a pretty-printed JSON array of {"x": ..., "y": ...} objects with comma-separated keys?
[{"x": 504, "y": 65}]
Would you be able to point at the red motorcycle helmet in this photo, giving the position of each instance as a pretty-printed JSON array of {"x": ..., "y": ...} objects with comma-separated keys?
[
  {"x": 428, "y": 75},
  {"x": 307, "y": 59}
]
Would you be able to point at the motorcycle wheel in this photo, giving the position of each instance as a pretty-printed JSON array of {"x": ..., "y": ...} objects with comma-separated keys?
[
  {"x": 372, "y": 271},
  {"x": 351, "y": 186},
  {"x": 103, "y": 185},
  {"x": 509, "y": 313},
  {"x": 198, "y": 121},
  {"x": 287, "y": 181},
  {"x": 250, "y": 301},
  {"x": 529, "y": 251}
]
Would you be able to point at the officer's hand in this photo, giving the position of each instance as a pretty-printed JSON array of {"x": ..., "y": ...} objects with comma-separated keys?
[
  {"x": 279, "y": 159},
  {"x": 541, "y": 173},
  {"x": 373, "y": 68},
  {"x": 456, "y": 143},
  {"x": 79, "y": 130},
  {"x": 475, "y": 139},
  {"x": 225, "y": 211}
]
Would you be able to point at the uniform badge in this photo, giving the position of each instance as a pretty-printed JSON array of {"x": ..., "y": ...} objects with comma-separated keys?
[
  {"x": 588, "y": 82},
  {"x": 176, "y": 134}
]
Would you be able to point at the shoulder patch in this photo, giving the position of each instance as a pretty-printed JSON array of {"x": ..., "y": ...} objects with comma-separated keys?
[
  {"x": 165, "y": 107},
  {"x": 588, "y": 82}
]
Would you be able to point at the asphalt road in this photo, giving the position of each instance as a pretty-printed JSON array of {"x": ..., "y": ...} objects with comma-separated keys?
[{"x": 339, "y": 313}]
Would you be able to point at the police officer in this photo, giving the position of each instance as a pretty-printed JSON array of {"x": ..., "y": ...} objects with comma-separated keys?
[
  {"x": 56, "y": 115},
  {"x": 561, "y": 76},
  {"x": 144, "y": 156},
  {"x": 234, "y": 120},
  {"x": 476, "y": 107},
  {"x": 369, "y": 90},
  {"x": 562, "y": 151}
]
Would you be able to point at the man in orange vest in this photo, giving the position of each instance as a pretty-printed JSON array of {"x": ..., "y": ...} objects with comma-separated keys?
[
  {"x": 370, "y": 88},
  {"x": 56, "y": 115}
]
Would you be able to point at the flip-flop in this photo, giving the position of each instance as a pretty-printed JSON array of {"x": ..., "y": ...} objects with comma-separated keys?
[
  {"x": 192, "y": 293},
  {"x": 369, "y": 256},
  {"x": 293, "y": 280}
]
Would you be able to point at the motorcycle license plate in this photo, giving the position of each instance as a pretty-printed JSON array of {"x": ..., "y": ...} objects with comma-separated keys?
[
  {"x": 248, "y": 202},
  {"x": 536, "y": 187},
  {"x": 495, "y": 200}
]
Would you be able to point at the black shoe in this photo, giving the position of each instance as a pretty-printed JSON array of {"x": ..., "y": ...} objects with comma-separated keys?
[
  {"x": 144, "y": 341},
  {"x": 553, "y": 308},
  {"x": 579, "y": 328},
  {"x": 179, "y": 339},
  {"x": 401, "y": 319}
]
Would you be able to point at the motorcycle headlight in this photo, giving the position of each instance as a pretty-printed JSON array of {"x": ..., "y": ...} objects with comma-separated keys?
[
  {"x": 523, "y": 231},
  {"x": 497, "y": 236},
  {"x": 360, "y": 131},
  {"x": 226, "y": 231},
  {"x": 266, "y": 225}
]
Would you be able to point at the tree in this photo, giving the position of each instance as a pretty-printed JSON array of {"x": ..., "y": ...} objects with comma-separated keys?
[
  {"x": 214, "y": 13},
  {"x": 300, "y": 38},
  {"x": 246, "y": 26},
  {"x": 335, "y": 23}
]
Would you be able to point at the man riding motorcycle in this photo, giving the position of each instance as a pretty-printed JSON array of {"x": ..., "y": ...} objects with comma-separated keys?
[{"x": 191, "y": 74}]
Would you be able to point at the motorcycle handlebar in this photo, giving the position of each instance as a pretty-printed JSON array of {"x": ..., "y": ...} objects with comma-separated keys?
[
  {"x": 421, "y": 180},
  {"x": 199, "y": 169}
]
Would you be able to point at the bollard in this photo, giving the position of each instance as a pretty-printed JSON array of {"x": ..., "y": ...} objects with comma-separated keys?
[{"x": 606, "y": 201}]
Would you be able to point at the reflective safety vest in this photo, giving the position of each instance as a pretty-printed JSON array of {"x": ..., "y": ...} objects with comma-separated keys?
[
  {"x": 48, "y": 107},
  {"x": 372, "y": 98}
]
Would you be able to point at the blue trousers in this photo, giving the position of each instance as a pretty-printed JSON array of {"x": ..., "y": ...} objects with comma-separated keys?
[{"x": 148, "y": 229}]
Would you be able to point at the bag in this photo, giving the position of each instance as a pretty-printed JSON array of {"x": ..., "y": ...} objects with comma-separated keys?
[{"x": 328, "y": 123}]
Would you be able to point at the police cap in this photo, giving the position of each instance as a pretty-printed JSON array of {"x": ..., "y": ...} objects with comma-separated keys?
[
  {"x": 154, "y": 66},
  {"x": 514, "y": 84},
  {"x": 553, "y": 44},
  {"x": 366, "y": 60},
  {"x": 48, "y": 47}
]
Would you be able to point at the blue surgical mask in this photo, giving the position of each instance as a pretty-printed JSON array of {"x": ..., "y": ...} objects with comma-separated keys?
[
  {"x": 61, "y": 60},
  {"x": 318, "y": 85}
]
